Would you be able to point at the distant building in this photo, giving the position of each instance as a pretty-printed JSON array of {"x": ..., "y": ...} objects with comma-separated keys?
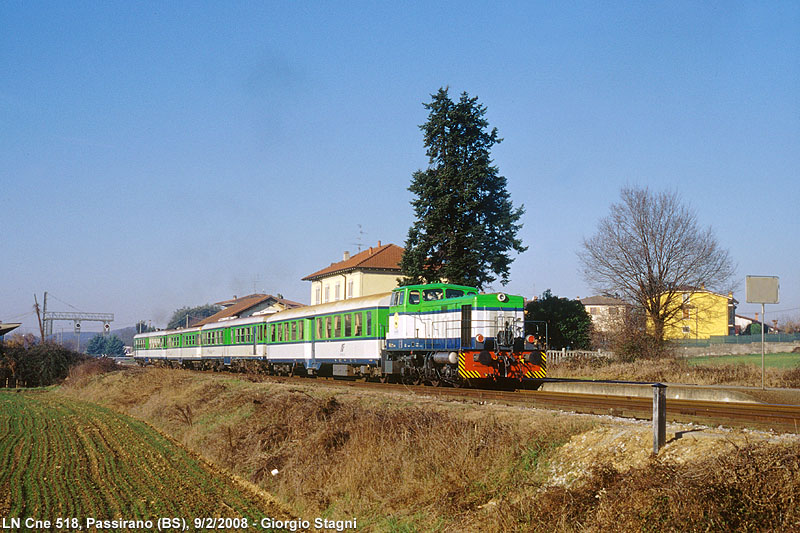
[
  {"x": 372, "y": 271},
  {"x": 744, "y": 325},
  {"x": 251, "y": 305},
  {"x": 607, "y": 313},
  {"x": 700, "y": 313}
]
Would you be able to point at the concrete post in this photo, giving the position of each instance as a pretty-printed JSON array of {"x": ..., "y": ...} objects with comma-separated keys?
[{"x": 659, "y": 416}]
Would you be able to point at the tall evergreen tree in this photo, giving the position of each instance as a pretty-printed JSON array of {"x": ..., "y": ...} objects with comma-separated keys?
[{"x": 465, "y": 222}]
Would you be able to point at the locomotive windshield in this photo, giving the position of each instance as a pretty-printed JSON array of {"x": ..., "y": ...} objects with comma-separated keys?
[
  {"x": 397, "y": 298},
  {"x": 432, "y": 294}
]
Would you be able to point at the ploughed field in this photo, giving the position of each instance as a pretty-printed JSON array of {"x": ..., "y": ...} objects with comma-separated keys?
[{"x": 62, "y": 458}]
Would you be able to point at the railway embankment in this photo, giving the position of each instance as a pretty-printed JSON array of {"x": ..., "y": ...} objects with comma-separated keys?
[
  {"x": 399, "y": 461},
  {"x": 677, "y": 391}
]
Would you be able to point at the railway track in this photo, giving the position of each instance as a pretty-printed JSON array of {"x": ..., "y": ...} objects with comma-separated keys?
[{"x": 781, "y": 418}]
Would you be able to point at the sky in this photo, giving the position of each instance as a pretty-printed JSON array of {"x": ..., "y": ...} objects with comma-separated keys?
[{"x": 156, "y": 155}]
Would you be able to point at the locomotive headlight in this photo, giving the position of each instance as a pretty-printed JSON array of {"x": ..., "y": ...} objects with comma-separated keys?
[
  {"x": 530, "y": 339},
  {"x": 479, "y": 337},
  {"x": 502, "y": 297}
]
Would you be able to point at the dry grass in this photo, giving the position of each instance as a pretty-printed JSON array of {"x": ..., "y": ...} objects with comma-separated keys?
[
  {"x": 755, "y": 488},
  {"x": 675, "y": 370},
  {"x": 82, "y": 372},
  {"x": 403, "y": 465},
  {"x": 391, "y": 463}
]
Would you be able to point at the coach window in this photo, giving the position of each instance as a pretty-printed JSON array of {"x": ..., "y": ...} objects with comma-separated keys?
[
  {"x": 357, "y": 320},
  {"x": 348, "y": 325},
  {"x": 294, "y": 331},
  {"x": 369, "y": 322},
  {"x": 337, "y": 326},
  {"x": 327, "y": 327},
  {"x": 413, "y": 297},
  {"x": 300, "y": 329}
]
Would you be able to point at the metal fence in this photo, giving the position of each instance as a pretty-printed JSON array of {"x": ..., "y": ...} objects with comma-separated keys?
[
  {"x": 557, "y": 356},
  {"x": 739, "y": 339}
]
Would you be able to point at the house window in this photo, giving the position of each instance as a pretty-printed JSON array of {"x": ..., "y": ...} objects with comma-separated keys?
[
  {"x": 593, "y": 310},
  {"x": 686, "y": 296},
  {"x": 327, "y": 293},
  {"x": 687, "y": 329},
  {"x": 319, "y": 295},
  {"x": 350, "y": 289},
  {"x": 685, "y": 313},
  {"x": 338, "y": 285}
]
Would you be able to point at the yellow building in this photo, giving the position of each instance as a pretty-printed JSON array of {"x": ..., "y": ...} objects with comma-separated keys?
[
  {"x": 372, "y": 271},
  {"x": 699, "y": 314}
]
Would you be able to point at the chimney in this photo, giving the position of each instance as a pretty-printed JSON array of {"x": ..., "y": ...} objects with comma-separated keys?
[
  {"x": 756, "y": 316},
  {"x": 379, "y": 244},
  {"x": 346, "y": 256}
]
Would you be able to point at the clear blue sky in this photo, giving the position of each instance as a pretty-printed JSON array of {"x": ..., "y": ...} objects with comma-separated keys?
[{"x": 165, "y": 154}]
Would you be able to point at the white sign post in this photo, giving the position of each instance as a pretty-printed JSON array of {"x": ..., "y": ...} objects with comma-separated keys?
[{"x": 762, "y": 290}]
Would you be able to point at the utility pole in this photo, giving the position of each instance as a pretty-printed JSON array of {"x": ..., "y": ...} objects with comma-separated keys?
[{"x": 39, "y": 316}]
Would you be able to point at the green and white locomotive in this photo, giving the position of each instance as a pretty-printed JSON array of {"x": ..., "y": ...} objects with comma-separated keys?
[{"x": 436, "y": 333}]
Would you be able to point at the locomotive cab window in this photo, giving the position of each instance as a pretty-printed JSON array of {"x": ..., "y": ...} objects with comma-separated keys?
[
  {"x": 453, "y": 293},
  {"x": 413, "y": 297},
  {"x": 430, "y": 295},
  {"x": 397, "y": 298}
]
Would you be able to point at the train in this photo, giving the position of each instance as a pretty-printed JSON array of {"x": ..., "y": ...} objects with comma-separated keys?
[{"x": 436, "y": 334}]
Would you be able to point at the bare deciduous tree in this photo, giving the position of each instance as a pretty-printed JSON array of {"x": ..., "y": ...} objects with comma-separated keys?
[{"x": 650, "y": 250}]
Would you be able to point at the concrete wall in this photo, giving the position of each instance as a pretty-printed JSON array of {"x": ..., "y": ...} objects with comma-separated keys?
[{"x": 736, "y": 349}]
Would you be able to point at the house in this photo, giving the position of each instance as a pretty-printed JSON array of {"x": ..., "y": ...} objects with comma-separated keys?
[
  {"x": 744, "y": 325},
  {"x": 371, "y": 271},
  {"x": 698, "y": 313},
  {"x": 253, "y": 304},
  {"x": 607, "y": 313}
]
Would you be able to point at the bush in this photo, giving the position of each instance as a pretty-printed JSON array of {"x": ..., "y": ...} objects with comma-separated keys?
[{"x": 38, "y": 365}]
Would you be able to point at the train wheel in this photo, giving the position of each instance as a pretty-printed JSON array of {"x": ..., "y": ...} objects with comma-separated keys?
[{"x": 384, "y": 378}]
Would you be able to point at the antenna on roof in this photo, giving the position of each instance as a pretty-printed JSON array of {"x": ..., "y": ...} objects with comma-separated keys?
[{"x": 359, "y": 239}]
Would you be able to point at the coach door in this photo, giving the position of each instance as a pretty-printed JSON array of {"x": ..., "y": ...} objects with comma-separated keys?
[{"x": 466, "y": 326}]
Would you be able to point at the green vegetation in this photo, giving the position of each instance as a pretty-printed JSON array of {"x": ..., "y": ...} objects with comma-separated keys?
[
  {"x": 189, "y": 315},
  {"x": 110, "y": 345},
  {"x": 784, "y": 360},
  {"x": 465, "y": 223},
  {"x": 569, "y": 325},
  {"x": 68, "y": 458},
  {"x": 35, "y": 365}
]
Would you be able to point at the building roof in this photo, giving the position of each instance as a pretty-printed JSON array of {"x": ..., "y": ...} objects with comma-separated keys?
[
  {"x": 237, "y": 306},
  {"x": 602, "y": 300},
  {"x": 8, "y": 327},
  {"x": 386, "y": 257}
]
